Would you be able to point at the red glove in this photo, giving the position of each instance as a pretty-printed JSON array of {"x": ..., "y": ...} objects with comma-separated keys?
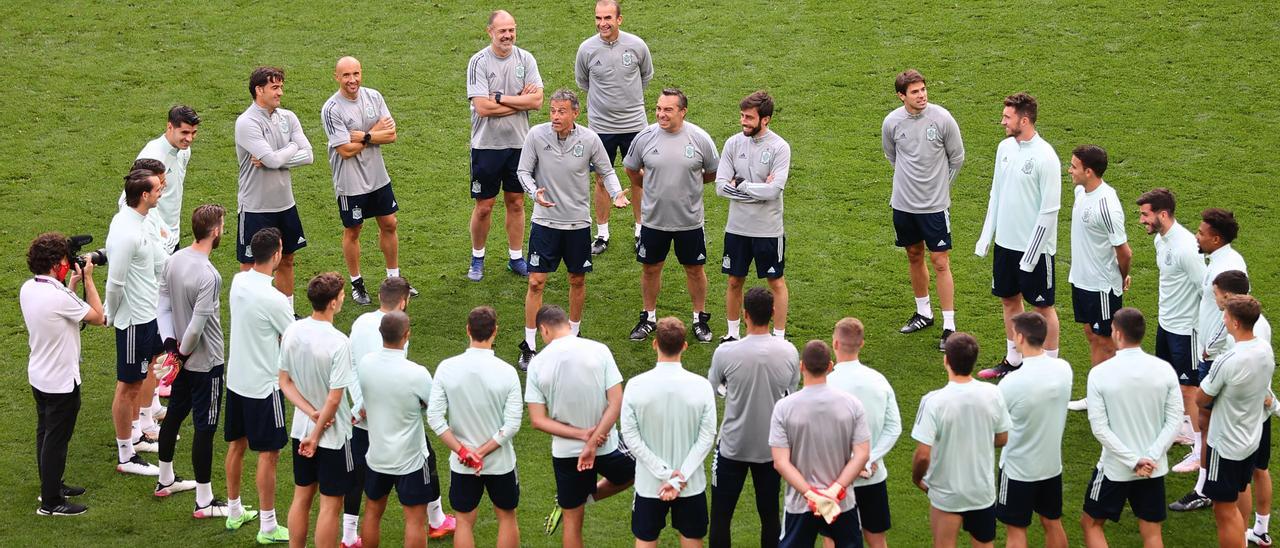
[
  {"x": 834, "y": 491},
  {"x": 470, "y": 459}
]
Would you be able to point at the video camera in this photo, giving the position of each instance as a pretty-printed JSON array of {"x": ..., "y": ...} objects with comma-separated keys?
[{"x": 98, "y": 256}]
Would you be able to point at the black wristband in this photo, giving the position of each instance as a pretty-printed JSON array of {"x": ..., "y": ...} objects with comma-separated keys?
[
  {"x": 365, "y": 140},
  {"x": 497, "y": 97}
]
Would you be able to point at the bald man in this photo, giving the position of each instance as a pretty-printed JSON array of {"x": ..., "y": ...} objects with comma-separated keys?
[{"x": 357, "y": 123}]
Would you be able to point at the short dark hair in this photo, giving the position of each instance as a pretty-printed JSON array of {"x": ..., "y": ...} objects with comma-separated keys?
[
  {"x": 1130, "y": 323},
  {"x": 1023, "y": 105},
  {"x": 1244, "y": 309},
  {"x": 482, "y": 321},
  {"x": 394, "y": 326},
  {"x": 1223, "y": 222},
  {"x": 849, "y": 333},
  {"x": 1232, "y": 282},
  {"x": 961, "y": 351},
  {"x": 758, "y": 305},
  {"x": 1092, "y": 157},
  {"x": 262, "y": 76},
  {"x": 205, "y": 218},
  {"x": 550, "y": 315},
  {"x": 264, "y": 244},
  {"x": 566, "y": 94},
  {"x": 760, "y": 101},
  {"x": 1031, "y": 326},
  {"x": 323, "y": 289},
  {"x": 906, "y": 78},
  {"x": 681, "y": 100},
  {"x": 136, "y": 183},
  {"x": 1160, "y": 199},
  {"x": 816, "y": 358},
  {"x": 183, "y": 114},
  {"x": 150, "y": 164},
  {"x": 617, "y": 8},
  {"x": 393, "y": 290},
  {"x": 670, "y": 335},
  {"x": 46, "y": 251}
]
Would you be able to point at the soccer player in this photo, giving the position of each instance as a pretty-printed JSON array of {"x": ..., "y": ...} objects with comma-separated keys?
[
  {"x": 397, "y": 449},
  {"x": 957, "y": 430},
  {"x": 173, "y": 150},
  {"x": 503, "y": 85},
  {"x": 315, "y": 372},
  {"x": 922, "y": 141},
  {"x": 1100, "y": 254},
  {"x": 821, "y": 442},
  {"x": 269, "y": 142},
  {"x": 1232, "y": 418},
  {"x": 146, "y": 427},
  {"x": 255, "y": 409},
  {"x": 613, "y": 67},
  {"x": 475, "y": 410},
  {"x": 672, "y": 158},
  {"x": 669, "y": 423},
  {"x": 1036, "y": 396},
  {"x": 1022, "y": 219},
  {"x": 753, "y": 173},
  {"x": 135, "y": 260},
  {"x": 574, "y": 392},
  {"x": 756, "y": 372},
  {"x": 357, "y": 123},
  {"x": 880, "y": 403},
  {"x": 1133, "y": 411},
  {"x": 191, "y": 323},
  {"x": 553, "y": 169}
]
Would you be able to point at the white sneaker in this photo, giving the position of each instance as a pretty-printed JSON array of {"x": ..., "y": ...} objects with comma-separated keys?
[
  {"x": 1078, "y": 405},
  {"x": 215, "y": 509},
  {"x": 179, "y": 485},
  {"x": 1185, "y": 438},
  {"x": 159, "y": 414},
  {"x": 146, "y": 444},
  {"x": 1189, "y": 464},
  {"x": 138, "y": 466}
]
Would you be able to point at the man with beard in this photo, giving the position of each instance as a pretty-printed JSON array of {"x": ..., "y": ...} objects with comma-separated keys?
[{"x": 173, "y": 150}]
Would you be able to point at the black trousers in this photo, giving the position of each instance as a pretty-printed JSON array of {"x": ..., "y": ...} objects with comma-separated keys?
[
  {"x": 55, "y": 421},
  {"x": 727, "y": 478}
]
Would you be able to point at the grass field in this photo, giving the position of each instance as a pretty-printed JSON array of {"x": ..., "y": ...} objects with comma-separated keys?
[{"x": 1177, "y": 92}]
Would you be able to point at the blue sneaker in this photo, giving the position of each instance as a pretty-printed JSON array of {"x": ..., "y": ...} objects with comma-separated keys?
[
  {"x": 476, "y": 272},
  {"x": 519, "y": 267}
]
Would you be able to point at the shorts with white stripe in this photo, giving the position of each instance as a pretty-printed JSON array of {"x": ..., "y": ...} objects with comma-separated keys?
[
  {"x": 136, "y": 345},
  {"x": 261, "y": 420},
  {"x": 200, "y": 394},
  {"x": 1009, "y": 280},
  {"x": 333, "y": 469},
  {"x": 1225, "y": 479},
  {"x": 1095, "y": 308},
  {"x": 1104, "y": 498},
  {"x": 1016, "y": 500},
  {"x": 413, "y": 489}
]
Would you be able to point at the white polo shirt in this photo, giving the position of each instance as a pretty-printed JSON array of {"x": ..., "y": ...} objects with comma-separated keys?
[{"x": 52, "y": 313}]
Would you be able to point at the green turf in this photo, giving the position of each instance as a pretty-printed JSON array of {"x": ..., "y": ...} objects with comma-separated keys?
[{"x": 1177, "y": 92}]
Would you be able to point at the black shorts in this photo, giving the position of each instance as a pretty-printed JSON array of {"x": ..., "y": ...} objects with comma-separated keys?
[
  {"x": 353, "y": 210},
  {"x": 1095, "y": 309},
  {"x": 548, "y": 246},
  {"x": 573, "y": 487},
  {"x": 769, "y": 255},
  {"x": 688, "y": 516},
  {"x": 934, "y": 229},
  {"x": 616, "y": 144},
  {"x": 691, "y": 246},
  {"x": 359, "y": 447},
  {"x": 1016, "y": 500},
  {"x": 980, "y": 523},
  {"x": 492, "y": 170},
  {"x": 333, "y": 469},
  {"x": 287, "y": 222},
  {"x": 1104, "y": 499},
  {"x": 261, "y": 420},
  {"x": 465, "y": 490},
  {"x": 1008, "y": 279},
  {"x": 1177, "y": 350},
  {"x": 198, "y": 393},
  {"x": 1262, "y": 455},
  {"x": 413, "y": 489},
  {"x": 136, "y": 345},
  {"x": 801, "y": 530},
  {"x": 873, "y": 506},
  {"x": 1225, "y": 479},
  {"x": 1203, "y": 367}
]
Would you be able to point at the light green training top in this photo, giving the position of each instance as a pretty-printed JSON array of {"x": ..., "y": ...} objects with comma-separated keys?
[
  {"x": 477, "y": 395},
  {"x": 397, "y": 391},
  {"x": 1036, "y": 396},
  {"x": 668, "y": 423},
  {"x": 959, "y": 422}
]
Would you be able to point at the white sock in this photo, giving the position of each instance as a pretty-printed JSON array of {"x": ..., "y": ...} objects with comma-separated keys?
[
  {"x": 602, "y": 231},
  {"x": 124, "y": 449},
  {"x": 267, "y": 520},
  {"x": 734, "y": 329},
  {"x": 290, "y": 297},
  {"x": 234, "y": 508},
  {"x": 923, "y": 308},
  {"x": 1197, "y": 445},
  {"x": 1051, "y": 353},
  {"x": 1011, "y": 353},
  {"x": 531, "y": 337},
  {"x": 393, "y": 272},
  {"x": 477, "y": 253},
  {"x": 1261, "y": 522},
  {"x": 574, "y": 327},
  {"x": 155, "y": 402},
  {"x": 652, "y": 315},
  {"x": 697, "y": 316},
  {"x": 166, "y": 473},
  {"x": 949, "y": 319},
  {"x": 435, "y": 514},
  {"x": 515, "y": 254},
  {"x": 356, "y": 278},
  {"x": 1200, "y": 483},
  {"x": 350, "y": 524},
  {"x": 590, "y": 499},
  {"x": 637, "y": 230},
  {"x": 779, "y": 332},
  {"x": 145, "y": 422},
  {"x": 134, "y": 431},
  {"x": 204, "y": 494}
]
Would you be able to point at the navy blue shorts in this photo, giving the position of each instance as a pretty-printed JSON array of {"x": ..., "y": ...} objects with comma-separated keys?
[
  {"x": 355, "y": 209},
  {"x": 616, "y": 144},
  {"x": 1176, "y": 349},
  {"x": 873, "y": 506},
  {"x": 287, "y": 222},
  {"x": 980, "y": 523},
  {"x": 1203, "y": 367},
  {"x": 801, "y": 530},
  {"x": 492, "y": 170},
  {"x": 548, "y": 246},
  {"x": 1224, "y": 478},
  {"x": 688, "y": 516},
  {"x": 261, "y": 420},
  {"x": 1262, "y": 455},
  {"x": 198, "y": 393},
  {"x": 136, "y": 345},
  {"x": 573, "y": 487},
  {"x": 413, "y": 489},
  {"x": 333, "y": 469},
  {"x": 1018, "y": 499},
  {"x": 465, "y": 490},
  {"x": 934, "y": 229},
  {"x": 691, "y": 246},
  {"x": 769, "y": 255},
  {"x": 1008, "y": 279},
  {"x": 1104, "y": 499},
  {"x": 1095, "y": 308}
]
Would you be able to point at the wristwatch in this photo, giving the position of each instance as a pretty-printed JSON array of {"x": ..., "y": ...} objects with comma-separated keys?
[
  {"x": 365, "y": 140},
  {"x": 497, "y": 97}
]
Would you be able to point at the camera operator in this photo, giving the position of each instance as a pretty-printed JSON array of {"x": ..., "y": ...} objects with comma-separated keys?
[{"x": 52, "y": 312}]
